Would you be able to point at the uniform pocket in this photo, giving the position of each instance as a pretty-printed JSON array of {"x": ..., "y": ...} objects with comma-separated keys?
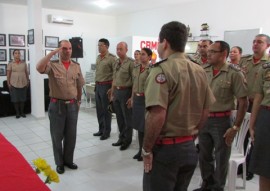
[
  {"x": 224, "y": 88},
  {"x": 59, "y": 79}
]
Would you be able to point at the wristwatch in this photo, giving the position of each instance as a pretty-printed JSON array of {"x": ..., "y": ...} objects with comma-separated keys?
[
  {"x": 144, "y": 153},
  {"x": 236, "y": 128}
]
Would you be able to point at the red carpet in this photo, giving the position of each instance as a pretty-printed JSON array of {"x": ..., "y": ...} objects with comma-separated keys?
[{"x": 15, "y": 172}]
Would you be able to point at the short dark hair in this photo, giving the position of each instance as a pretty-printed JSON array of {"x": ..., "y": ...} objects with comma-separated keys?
[
  {"x": 176, "y": 34},
  {"x": 207, "y": 40},
  {"x": 238, "y": 48},
  {"x": 105, "y": 41},
  {"x": 15, "y": 51},
  {"x": 137, "y": 51},
  {"x": 148, "y": 51},
  {"x": 224, "y": 46},
  {"x": 266, "y": 36}
]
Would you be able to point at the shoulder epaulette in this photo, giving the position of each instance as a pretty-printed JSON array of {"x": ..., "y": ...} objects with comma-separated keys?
[
  {"x": 191, "y": 59},
  {"x": 110, "y": 54},
  {"x": 131, "y": 59},
  {"x": 75, "y": 62},
  {"x": 137, "y": 65},
  {"x": 158, "y": 63},
  {"x": 266, "y": 65},
  {"x": 57, "y": 60},
  {"x": 207, "y": 66},
  {"x": 236, "y": 67},
  {"x": 246, "y": 55}
]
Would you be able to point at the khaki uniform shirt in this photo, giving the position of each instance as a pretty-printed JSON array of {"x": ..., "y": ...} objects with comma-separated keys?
[
  {"x": 104, "y": 67},
  {"x": 179, "y": 86},
  {"x": 262, "y": 84},
  {"x": 229, "y": 82},
  {"x": 199, "y": 61},
  {"x": 250, "y": 70},
  {"x": 139, "y": 78},
  {"x": 123, "y": 72},
  {"x": 63, "y": 83},
  {"x": 18, "y": 77}
]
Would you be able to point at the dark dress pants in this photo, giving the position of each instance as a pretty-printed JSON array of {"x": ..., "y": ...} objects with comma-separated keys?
[
  {"x": 214, "y": 153},
  {"x": 63, "y": 127},
  {"x": 123, "y": 114},
  {"x": 103, "y": 115},
  {"x": 173, "y": 167}
]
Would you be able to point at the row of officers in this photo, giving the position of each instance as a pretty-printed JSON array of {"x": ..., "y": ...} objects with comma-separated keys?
[
  {"x": 125, "y": 88},
  {"x": 169, "y": 103}
]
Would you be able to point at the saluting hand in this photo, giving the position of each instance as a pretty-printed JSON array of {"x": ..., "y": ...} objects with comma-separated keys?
[{"x": 229, "y": 136}]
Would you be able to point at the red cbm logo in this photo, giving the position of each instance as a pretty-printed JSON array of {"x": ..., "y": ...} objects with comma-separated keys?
[{"x": 153, "y": 45}]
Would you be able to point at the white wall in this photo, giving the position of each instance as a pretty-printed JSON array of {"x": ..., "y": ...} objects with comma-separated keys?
[
  {"x": 220, "y": 15},
  {"x": 88, "y": 26}
]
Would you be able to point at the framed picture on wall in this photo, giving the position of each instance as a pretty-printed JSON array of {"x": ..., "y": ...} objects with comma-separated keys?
[
  {"x": 22, "y": 51},
  {"x": 3, "y": 55},
  {"x": 3, "y": 69},
  {"x": 16, "y": 40},
  {"x": 2, "y": 40},
  {"x": 51, "y": 41},
  {"x": 55, "y": 57},
  {"x": 30, "y": 37}
]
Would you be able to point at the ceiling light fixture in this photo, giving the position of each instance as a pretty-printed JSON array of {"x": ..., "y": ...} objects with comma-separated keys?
[{"x": 102, "y": 4}]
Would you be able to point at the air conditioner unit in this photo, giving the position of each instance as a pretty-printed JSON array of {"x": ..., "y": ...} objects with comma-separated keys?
[{"x": 59, "y": 19}]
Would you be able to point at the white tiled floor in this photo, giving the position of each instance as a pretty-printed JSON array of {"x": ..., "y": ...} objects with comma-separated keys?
[{"x": 102, "y": 167}]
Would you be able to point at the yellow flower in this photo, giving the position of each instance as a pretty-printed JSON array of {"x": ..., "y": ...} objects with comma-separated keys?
[
  {"x": 47, "y": 171},
  {"x": 53, "y": 176},
  {"x": 40, "y": 164}
]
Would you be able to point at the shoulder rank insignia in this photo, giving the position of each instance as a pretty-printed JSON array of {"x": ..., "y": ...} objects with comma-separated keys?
[
  {"x": 158, "y": 63},
  {"x": 235, "y": 67},
  {"x": 246, "y": 55},
  {"x": 136, "y": 65},
  {"x": 266, "y": 65}
]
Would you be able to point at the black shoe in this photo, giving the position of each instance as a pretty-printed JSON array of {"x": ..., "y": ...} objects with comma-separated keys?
[
  {"x": 124, "y": 146},
  {"x": 17, "y": 116},
  {"x": 203, "y": 187},
  {"x": 137, "y": 155},
  {"x": 104, "y": 137},
  {"x": 72, "y": 166},
  {"x": 23, "y": 115},
  {"x": 118, "y": 143},
  {"x": 249, "y": 176},
  {"x": 60, "y": 169},
  {"x": 140, "y": 158},
  {"x": 97, "y": 134}
]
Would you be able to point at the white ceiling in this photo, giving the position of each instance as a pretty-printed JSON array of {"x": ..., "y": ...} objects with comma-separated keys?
[{"x": 119, "y": 7}]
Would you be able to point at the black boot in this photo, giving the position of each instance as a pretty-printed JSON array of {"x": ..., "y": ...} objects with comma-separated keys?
[
  {"x": 140, "y": 135},
  {"x": 22, "y": 109},
  {"x": 16, "y": 106}
]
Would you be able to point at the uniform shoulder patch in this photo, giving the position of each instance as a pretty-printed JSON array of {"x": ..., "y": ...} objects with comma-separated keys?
[
  {"x": 266, "y": 65},
  {"x": 160, "y": 78},
  {"x": 236, "y": 67},
  {"x": 158, "y": 63}
]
